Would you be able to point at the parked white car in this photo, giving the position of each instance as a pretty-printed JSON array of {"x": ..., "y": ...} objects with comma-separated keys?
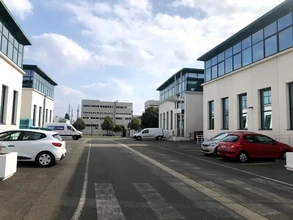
[
  {"x": 43, "y": 147},
  {"x": 146, "y": 133}
]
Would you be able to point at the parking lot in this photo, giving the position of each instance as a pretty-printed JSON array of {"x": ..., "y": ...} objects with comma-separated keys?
[{"x": 183, "y": 182}]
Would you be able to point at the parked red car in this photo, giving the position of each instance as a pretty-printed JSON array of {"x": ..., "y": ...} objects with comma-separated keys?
[{"x": 246, "y": 145}]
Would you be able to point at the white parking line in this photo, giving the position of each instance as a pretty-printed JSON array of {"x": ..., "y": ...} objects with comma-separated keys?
[
  {"x": 256, "y": 164},
  {"x": 84, "y": 189},
  {"x": 236, "y": 207}
]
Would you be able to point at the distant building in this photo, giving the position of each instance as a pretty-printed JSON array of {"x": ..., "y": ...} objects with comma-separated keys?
[
  {"x": 93, "y": 112},
  {"x": 180, "y": 110},
  {"x": 12, "y": 42},
  {"x": 37, "y": 97},
  {"x": 152, "y": 103}
]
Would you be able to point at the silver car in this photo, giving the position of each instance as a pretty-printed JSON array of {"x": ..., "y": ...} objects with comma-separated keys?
[{"x": 210, "y": 146}]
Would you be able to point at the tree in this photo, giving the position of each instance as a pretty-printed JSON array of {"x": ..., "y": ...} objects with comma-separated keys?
[
  {"x": 79, "y": 124},
  {"x": 150, "y": 118},
  {"x": 117, "y": 128},
  {"x": 134, "y": 124},
  {"x": 108, "y": 124},
  {"x": 67, "y": 116}
]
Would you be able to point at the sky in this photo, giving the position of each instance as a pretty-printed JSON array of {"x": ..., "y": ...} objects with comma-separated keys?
[{"x": 124, "y": 50}]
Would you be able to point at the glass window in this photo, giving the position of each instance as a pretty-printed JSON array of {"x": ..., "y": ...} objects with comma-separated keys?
[
  {"x": 207, "y": 64},
  {"x": 221, "y": 57},
  {"x": 258, "y": 36},
  {"x": 242, "y": 101},
  {"x": 214, "y": 60},
  {"x": 214, "y": 72},
  {"x": 270, "y": 29},
  {"x": 266, "y": 109},
  {"x": 291, "y": 104},
  {"x": 208, "y": 74},
  {"x": 20, "y": 49},
  {"x": 237, "y": 61},
  {"x": 258, "y": 51},
  {"x": 4, "y": 45},
  {"x": 246, "y": 57},
  {"x": 285, "y": 21},
  {"x": 237, "y": 48},
  {"x": 228, "y": 65},
  {"x": 1, "y": 25},
  {"x": 211, "y": 115},
  {"x": 19, "y": 60},
  {"x": 246, "y": 43},
  {"x": 228, "y": 53},
  {"x": 5, "y": 32},
  {"x": 221, "y": 68},
  {"x": 15, "y": 55},
  {"x": 285, "y": 39},
  {"x": 10, "y": 50},
  {"x": 10, "y": 38},
  {"x": 3, "y": 106},
  {"x": 271, "y": 46},
  {"x": 16, "y": 44},
  {"x": 225, "y": 109}
]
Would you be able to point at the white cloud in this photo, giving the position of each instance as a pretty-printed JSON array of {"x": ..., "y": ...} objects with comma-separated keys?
[{"x": 22, "y": 8}]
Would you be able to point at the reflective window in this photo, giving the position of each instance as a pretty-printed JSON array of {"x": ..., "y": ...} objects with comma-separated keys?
[
  {"x": 271, "y": 45},
  {"x": 270, "y": 29},
  {"x": 242, "y": 100},
  {"x": 228, "y": 65},
  {"x": 208, "y": 64},
  {"x": 246, "y": 43},
  {"x": 5, "y": 32},
  {"x": 237, "y": 61},
  {"x": 10, "y": 51},
  {"x": 214, "y": 72},
  {"x": 266, "y": 109},
  {"x": 214, "y": 60},
  {"x": 211, "y": 115},
  {"x": 15, "y": 55},
  {"x": 258, "y": 36},
  {"x": 228, "y": 53},
  {"x": 4, "y": 45},
  {"x": 258, "y": 51},
  {"x": 285, "y": 21},
  {"x": 246, "y": 57},
  {"x": 285, "y": 39},
  {"x": 208, "y": 74},
  {"x": 221, "y": 57},
  {"x": 221, "y": 68},
  {"x": 225, "y": 111},
  {"x": 237, "y": 48}
]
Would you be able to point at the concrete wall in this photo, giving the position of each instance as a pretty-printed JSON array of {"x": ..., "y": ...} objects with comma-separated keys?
[
  {"x": 275, "y": 72},
  {"x": 11, "y": 76}
]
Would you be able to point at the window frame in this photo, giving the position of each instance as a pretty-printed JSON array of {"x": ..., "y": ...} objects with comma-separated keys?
[
  {"x": 211, "y": 110},
  {"x": 225, "y": 113},
  {"x": 262, "y": 108}
]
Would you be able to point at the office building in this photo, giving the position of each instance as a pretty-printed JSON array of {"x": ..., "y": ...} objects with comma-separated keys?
[
  {"x": 180, "y": 110},
  {"x": 37, "y": 97},
  {"x": 12, "y": 42},
  {"x": 249, "y": 81},
  {"x": 93, "y": 112},
  {"x": 151, "y": 103}
]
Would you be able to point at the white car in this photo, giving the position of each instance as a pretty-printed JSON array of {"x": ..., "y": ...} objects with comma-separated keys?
[{"x": 43, "y": 147}]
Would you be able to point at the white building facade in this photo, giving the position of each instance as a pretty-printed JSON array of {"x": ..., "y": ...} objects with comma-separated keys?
[
  {"x": 93, "y": 112},
  {"x": 12, "y": 42},
  {"x": 37, "y": 97},
  {"x": 152, "y": 103},
  {"x": 180, "y": 109},
  {"x": 249, "y": 79}
]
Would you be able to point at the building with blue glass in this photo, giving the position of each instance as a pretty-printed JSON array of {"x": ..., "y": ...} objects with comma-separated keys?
[
  {"x": 249, "y": 78},
  {"x": 180, "y": 107},
  {"x": 37, "y": 97},
  {"x": 12, "y": 42}
]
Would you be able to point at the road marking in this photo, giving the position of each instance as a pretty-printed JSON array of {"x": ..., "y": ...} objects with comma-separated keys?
[
  {"x": 106, "y": 145},
  {"x": 287, "y": 189},
  {"x": 241, "y": 210},
  {"x": 258, "y": 191},
  {"x": 84, "y": 189},
  {"x": 231, "y": 168},
  {"x": 256, "y": 164},
  {"x": 108, "y": 207},
  {"x": 162, "y": 209},
  {"x": 201, "y": 201},
  {"x": 257, "y": 207}
]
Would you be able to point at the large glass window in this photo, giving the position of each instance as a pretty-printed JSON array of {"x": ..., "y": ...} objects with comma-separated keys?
[
  {"x": 228, "y": 53},
  {"x": 207, "y": 64},
  {"x": 229, "y": 65},
  {"x": 271, "y": 46},
  {"x": 270, "y": 29},
  {"x": 246, "y": 56},
  {"x": 242, "y": 100},
  {"x": 3, "y": 105},
  {"x": 266, "y": 109},
  {"x": 221, "y": 57},
  {"x": 291, "y": 104},
  {"x": 246, "y": 43},
  {"x": 34, "y": 115},
  {"x": 237, "y": 61},
  {"x": 285, "y": 39},
  {"x": 225, "y": 109},
  {"x": 211, "y": 115},
  {"x": 285, "y": 21},
  {"x": 214, "y": 72},
  {"x": 258, "y": 51},
  {"x": 214, "y": 60},
  {"x": 4, "y": 45},
  {"x": 10, "y": 50},
  {"x": 258, "y": 36},
  {"x": 221, "y": 68},
  {"x": 14, "y": 107},
  {"x": 237, "y": 48}
]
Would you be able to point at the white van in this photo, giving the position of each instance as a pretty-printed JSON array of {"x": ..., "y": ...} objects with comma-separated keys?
[
  {"x": 149, "y": 133},
  {"x": 64, "y": 130}
]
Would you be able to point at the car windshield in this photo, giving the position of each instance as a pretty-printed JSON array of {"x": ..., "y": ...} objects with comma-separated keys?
[{"x": 220, "y": 136}]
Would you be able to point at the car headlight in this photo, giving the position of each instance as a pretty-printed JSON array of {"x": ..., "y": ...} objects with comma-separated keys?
[{"x": 213, "y": 144}]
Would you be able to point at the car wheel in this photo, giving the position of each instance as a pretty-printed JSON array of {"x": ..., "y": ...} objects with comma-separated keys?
[
  {"x": 243, "y": 157},
  {"x": 45, "y": 159},
  {"x": 216, "y": 151},
  {"x": 283, "y": 155},
  {"x": 160, "y": 138},
  {"x": 74, "y": 137},
  {"x": 139, "y": 138}
]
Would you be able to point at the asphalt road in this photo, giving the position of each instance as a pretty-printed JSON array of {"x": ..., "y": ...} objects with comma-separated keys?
[{"x": 125, "y": 179}]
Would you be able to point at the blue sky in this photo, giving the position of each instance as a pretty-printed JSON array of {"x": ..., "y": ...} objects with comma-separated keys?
[{"x": 124, "y": 49}]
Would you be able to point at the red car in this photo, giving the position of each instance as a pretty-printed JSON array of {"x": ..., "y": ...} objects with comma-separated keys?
[{"x": 246, "y": 145}]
